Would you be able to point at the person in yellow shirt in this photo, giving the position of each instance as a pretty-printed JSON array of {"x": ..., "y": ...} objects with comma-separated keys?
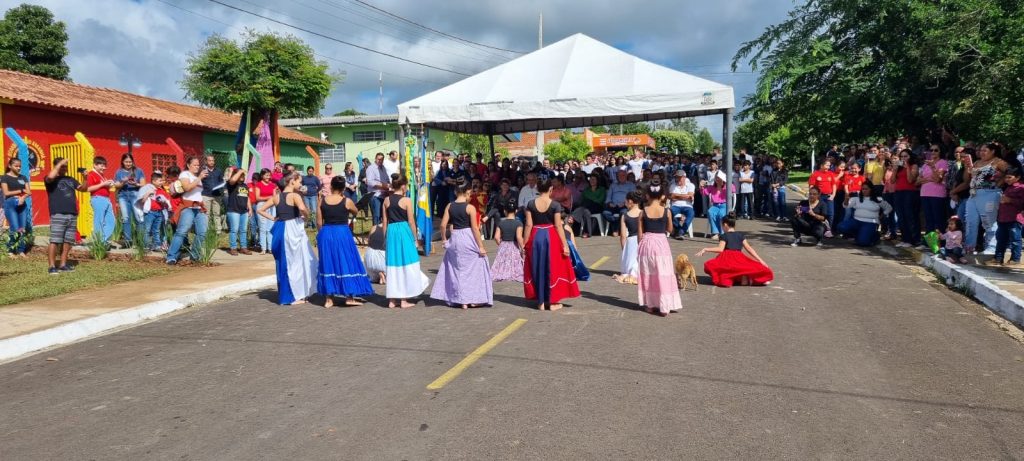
[{"x": 874, "y": 171}]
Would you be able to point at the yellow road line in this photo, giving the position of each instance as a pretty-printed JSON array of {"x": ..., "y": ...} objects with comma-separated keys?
[
  {"x": 470, "y": 359},
  {"x": 599, "y": 262}
]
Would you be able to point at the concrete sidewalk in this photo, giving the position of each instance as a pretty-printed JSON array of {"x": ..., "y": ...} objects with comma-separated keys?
[{"x": 43, "y": 323}]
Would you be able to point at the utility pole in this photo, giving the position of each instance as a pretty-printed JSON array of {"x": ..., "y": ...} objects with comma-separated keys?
[
  {"x": 380, "y": 97},
  {"x": 540, "y": 133}
]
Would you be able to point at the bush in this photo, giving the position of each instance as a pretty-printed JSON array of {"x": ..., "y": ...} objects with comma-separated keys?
[
  {"x": 98, "y": 249},
  {"x": 139, "y": 249},
  {"x": 207, "y": 244}
]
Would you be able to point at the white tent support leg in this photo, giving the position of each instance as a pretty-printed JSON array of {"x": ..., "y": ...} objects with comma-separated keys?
[{"x": 727, "y": 151}]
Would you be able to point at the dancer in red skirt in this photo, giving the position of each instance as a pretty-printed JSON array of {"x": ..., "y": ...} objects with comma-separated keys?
[
  {"x": 548, "y": 275},
  {"x": 731, "y": 266}
]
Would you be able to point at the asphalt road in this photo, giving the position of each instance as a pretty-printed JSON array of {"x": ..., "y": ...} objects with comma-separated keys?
[{"x": 846, "y": 356}]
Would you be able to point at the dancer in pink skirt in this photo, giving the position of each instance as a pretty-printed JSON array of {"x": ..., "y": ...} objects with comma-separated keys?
[
  {"x": 657, "y": 287},
  {"x": 508, "y": 263}
]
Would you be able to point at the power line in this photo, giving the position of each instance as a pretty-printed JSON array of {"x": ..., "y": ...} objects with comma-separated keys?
[
  {"x": 318, "y": 34},
  {"x": 405, "y": 28},
  {"x": 316, "y": 54},
  {"x": 434, "y": 30}
]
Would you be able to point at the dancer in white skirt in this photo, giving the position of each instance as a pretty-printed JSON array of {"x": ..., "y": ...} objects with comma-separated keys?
[
  {"x": 295, "y": 261},
  {"x": 404, "y": 278},
  {"x": 373, "y": 258},
  {"x": 628, "y": 240}
]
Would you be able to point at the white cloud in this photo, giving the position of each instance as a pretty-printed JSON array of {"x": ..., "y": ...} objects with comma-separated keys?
[{"x": 142, "y": 46}]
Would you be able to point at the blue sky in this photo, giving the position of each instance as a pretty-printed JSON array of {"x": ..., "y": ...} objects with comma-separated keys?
[{"x": 142, "y": 45}]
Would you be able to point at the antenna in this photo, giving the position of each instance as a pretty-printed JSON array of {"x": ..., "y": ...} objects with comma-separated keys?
[{"x": 380, "y": 98}]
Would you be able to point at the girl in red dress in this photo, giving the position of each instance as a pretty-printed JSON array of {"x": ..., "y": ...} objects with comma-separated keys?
[
  {"x": 548, "y": 276},
  {"x": 731, "y": 266}
]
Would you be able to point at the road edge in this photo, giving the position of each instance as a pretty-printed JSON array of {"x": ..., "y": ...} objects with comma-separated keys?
[{"x": 19, "y": 346}]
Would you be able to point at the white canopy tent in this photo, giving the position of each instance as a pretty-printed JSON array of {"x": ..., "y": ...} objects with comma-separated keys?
[{"x": 575, "y": 82}]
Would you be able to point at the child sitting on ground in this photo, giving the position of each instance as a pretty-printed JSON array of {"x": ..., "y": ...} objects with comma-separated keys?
[
  {"x": 953, "y": 247},
  {"x": 731, "y": 266}
]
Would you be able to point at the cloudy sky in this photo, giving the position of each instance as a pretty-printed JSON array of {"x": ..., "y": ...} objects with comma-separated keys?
[{"x": 142, "y": 45}]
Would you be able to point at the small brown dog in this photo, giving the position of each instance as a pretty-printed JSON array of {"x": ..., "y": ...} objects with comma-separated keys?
[{"x": 685, "y": 272}]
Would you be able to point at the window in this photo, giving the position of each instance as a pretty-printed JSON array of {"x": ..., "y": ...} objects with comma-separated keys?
[
  {"x": 335, "y": 154},
  {"x": 164, "y": 161},
  {"x": 368, "y": 136}
]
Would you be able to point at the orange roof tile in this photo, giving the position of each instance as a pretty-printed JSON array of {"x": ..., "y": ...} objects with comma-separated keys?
[{"x": 69, "y": 96}]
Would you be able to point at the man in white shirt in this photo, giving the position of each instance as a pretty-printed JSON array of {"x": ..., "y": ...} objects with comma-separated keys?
[
  {"x": 681, "y": 203},
  {"x": 636, "y": 166},
  {"x": 391, "y": 164},
  {"x": 378, "y": 182},
  {"x": 436, "y": 164},
  {"x": 591, "y": 165},
  {"x": 526, "y": 194}
]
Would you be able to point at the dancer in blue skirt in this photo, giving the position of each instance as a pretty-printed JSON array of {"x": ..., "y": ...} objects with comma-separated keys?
[{"x": 341, "y": 271}]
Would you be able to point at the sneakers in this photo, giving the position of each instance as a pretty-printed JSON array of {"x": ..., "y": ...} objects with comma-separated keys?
[
  {"x": 903, "y": 245},
  {"x": 820, "y": 244},
  {"x": 245, "y": 251},
  {"x": 993, "y": 262},
  {"x": 828, "y": 234},
  {"x": 52, "y": 271},
  {"x": 1013, "y": 264},
  {"x": 66, "y": 268},
  {"x": 796, "y": 243},
  {"x": 233, "y": 252}
]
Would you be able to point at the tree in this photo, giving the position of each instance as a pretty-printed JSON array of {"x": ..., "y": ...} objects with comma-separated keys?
[
  {"x": 349, "y": 113},
  {"x": 266, "y": 72},
  {"x": 32, "y": 41},
  {"x": 680, "y": 141},
  {"x": 849, "y": 71},
  {"x": 569, "y": 147},
  {"x": 705, "y": 142}
]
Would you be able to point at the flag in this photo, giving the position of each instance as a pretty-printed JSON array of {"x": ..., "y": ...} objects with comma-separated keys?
[{"x": 424, "y": 220}]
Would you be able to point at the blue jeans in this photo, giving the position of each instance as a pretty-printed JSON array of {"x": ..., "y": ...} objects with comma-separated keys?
[
  {"x": 830, "y": 210},
  {"x": 1008, "y": 236},
  {"x": 612, "y": 217},
  {"x": 907, "y": 215},
  {"x": 982, "y": 208},
  {"x": 102, "y": 218},
  {"x": 935, "y": 213},
  {"x": 779, "y": 203},
  {"x": 687, "y": 213},
  {"x": 125, "y": 204},
  {"x": 375, "y": 208},
  {"x": 264, "y": 226},
  {"x": 310, "y": 203},
  {"x": 17, "y": 220},
  {"x": 715, "y": 214},
  {"x": 190, "y": 217},
  {"x": 746, "y": 205},
  {"x": 865, "y": 234},
  {"x": 153, "y": 229},
  {"x": 237, "y": 227}
]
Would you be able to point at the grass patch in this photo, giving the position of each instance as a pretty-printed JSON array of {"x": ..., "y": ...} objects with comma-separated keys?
[
  {"x": 799, "y": 177},
  {"x": 27, "y": 279}
]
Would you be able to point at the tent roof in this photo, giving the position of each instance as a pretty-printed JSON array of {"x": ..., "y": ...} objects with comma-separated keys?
[{"x": 575, "y": 82}]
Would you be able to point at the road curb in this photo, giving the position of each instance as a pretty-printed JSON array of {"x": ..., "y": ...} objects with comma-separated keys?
[
  {"x": 998, "y": 300},
  {"x": 17, "y": 346}
]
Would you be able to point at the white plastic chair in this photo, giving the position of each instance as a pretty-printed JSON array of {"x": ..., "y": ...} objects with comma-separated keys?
[
  {"x": 602, "y": 225},
  {"x": 681, "y": 217}
]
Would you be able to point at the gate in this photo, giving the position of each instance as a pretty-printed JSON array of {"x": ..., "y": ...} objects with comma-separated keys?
[{"x": 79, "y": 154}]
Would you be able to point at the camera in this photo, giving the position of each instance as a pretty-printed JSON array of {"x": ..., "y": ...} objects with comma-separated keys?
[{"x": 80, "y": 170}]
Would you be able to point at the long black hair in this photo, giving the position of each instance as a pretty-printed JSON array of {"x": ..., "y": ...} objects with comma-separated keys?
[{"x": 873, "y": 197}]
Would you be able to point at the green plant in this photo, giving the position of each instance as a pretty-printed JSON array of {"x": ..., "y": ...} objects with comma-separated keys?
[
  {"x": 118, "y": 227},
  {"x": 139, "y": 249},
  {"x": 98, "y": 249},
  {"x": 208, "y": 245}
]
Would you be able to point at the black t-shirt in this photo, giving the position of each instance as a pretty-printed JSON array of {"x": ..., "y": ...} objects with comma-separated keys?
[
  {"x": 238, "y": 197},
  {"x": 734, "y": 240},
  {"x": 60, "y": 192},
  {"x": 508, "y": 229},
  {"x": 14, "y": 184},
  {"x": 805, "y": 206}
]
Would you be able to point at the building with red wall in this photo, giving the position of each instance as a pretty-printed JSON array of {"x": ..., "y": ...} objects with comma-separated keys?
[{"x": 46, "y": 113}]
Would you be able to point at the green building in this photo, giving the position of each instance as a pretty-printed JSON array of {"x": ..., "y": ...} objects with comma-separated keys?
[
  {"x": 221, "y": 145},
  {"x": 350, "y": 136}
]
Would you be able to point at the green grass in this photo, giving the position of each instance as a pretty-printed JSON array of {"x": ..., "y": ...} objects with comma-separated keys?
[
  {"x": 799, "y": 177},
  {"x": 27, "y": 279}
]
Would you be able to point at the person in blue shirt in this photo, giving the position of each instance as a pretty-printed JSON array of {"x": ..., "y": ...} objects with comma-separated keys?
[
  {"x": 128, "y": 179},
  {"x": 615, "y": 202},
  {"x": 310, "y": 191}
]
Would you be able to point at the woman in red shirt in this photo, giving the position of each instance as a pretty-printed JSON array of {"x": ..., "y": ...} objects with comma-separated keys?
[
  {"x": 907, "y": 198},
  {"x": 265, "y": 190}
]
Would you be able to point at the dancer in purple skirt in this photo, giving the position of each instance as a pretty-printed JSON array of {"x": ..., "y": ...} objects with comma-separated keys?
[
  {"x": 464, "y": 278},
  {"x": 508, "y": 262}
]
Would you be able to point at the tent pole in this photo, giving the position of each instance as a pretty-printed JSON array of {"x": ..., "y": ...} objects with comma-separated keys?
[
  {"x": 490, "y": 138},
  {"x": 401, "y": 148},
  {"x": 727, "y": 150}
]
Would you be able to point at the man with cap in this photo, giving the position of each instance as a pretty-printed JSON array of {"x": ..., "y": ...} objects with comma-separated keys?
[{"x": 681, "y": 203}]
